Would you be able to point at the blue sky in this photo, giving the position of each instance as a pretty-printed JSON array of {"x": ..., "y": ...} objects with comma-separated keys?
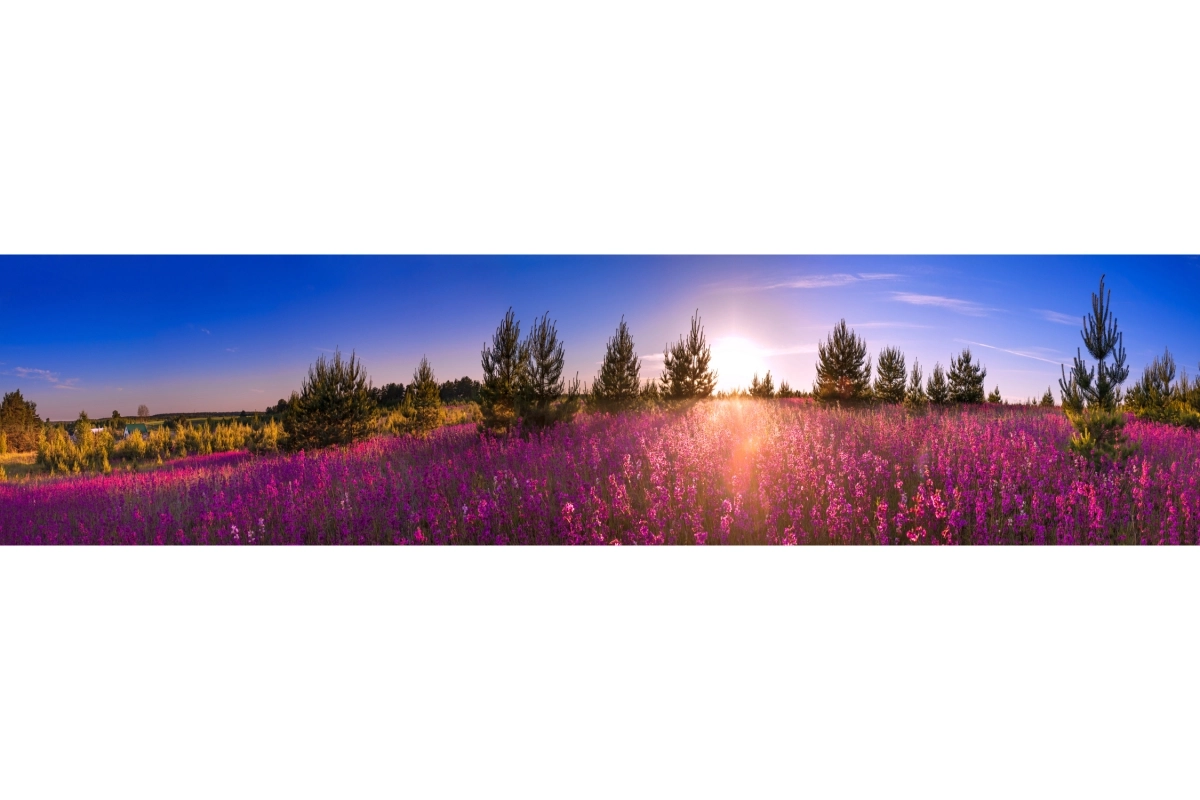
[{"x": 201, "y": 333}]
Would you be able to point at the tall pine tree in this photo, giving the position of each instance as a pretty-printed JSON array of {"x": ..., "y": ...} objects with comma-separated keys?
[
  {"x": 686, "y": 374},
  {"x": 890, "y": 376},
  {"x": 504, "y": 365},
  {"x": 619, "y": 382},
  {"x": 335, "y": 405},
  {"x": 543, "y": 384},
  {"x": 1091, "y": 394},
  {"x": 843, "y": 369}
]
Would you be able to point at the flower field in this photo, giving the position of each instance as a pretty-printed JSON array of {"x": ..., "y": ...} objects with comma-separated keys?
[{"x": 721, "y": 472}]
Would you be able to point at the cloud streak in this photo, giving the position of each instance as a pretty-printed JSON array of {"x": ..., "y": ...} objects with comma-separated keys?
[
  {"x": 967, "y": 307},
  {"x": 828, "y": 281},
  {"x": 52, "y": 378},
  {"x": 1054, "y": 316},
  {"x": 1021, "y": 353}
]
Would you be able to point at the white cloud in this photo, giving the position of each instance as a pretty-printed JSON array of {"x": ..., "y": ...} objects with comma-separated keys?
[
  {"x": 826, "y": 281},
  {"x": 206, "y": 331},
  {"x": 1054, "y": 316},
  {"x": 967, "y": 307},
  {"x": 52, "y": 378}
]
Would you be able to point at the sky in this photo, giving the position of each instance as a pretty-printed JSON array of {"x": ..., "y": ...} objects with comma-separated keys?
[{"x": 232, "y": 333}]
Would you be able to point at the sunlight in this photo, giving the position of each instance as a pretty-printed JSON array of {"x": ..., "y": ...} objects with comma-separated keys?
[{"x": 736, "y": 360}]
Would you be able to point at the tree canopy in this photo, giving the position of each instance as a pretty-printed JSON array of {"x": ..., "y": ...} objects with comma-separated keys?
[{"x": 843, "y": 368}]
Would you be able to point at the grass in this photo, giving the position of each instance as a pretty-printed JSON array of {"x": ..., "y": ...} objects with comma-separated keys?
[{"x": 20, "y": 465}]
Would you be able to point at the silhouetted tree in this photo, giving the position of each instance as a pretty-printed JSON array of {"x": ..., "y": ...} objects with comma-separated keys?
[
  {"x": 966, "y": 379},
  {"x": 994, "y": 396},
  {"x": 463, "y": 390},
  {"x": 685, "y": 366},
  {"x": 619, "y": 381},
  {"x": 335, "y": 405},
  {"x": 1090, "y": 395},
  {"x": 764, "y": 389},
  {"x": 143, "y": 411},
  {"x": 785, "y": 390},
  {"x": 890, "y": 376},
  {"x": 504, "y": 366},
  {"x": 843, "y": 369},
  {"x": 390, "y": 395},
  {"x": 937, "y": 388},
  {"x": 1047, "y": 399}
]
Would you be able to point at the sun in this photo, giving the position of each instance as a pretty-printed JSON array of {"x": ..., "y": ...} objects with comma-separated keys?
[{"x": 736, "y": 360}]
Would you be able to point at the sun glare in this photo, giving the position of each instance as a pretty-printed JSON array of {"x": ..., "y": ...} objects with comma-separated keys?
[{"x": 736, "y": 360}]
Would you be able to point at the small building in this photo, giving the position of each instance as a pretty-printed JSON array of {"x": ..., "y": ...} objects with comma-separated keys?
[{"x": 139, "y": 427}]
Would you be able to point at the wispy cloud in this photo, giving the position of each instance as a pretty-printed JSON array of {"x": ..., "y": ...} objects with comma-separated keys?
[
  {"x": 883, "y": 325},
  {"x": 258, "y": 391},
  {"x": 1021, "y": 353},
  {"x": 231, "y": 349},
  {"x": 827, "y": 281},
  {"x": 52, "y": 378},
  {"x": 968, "y": 307},
  {"x": 1054, "y": 316},
  {"x": 206, "y": 331},
  {"x": 790, "y": 351}
]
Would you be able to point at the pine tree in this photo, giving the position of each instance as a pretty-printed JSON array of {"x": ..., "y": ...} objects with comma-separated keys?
[
  {"x": 914, "y": 396},
  {"x": 650, "y": 392},
  {"x": 765, "y": 388},
  {"x": 543, "y": 386},
  {"x": 504, "y": 366},
  {"x": 619, "y": 381},
  {"x": 966, "y": 379},
  {"x": 426, "y": 400},
  {"x": 335, "y": 405},
  {"x": 1159, "y": 397},
  {"x": 994, "y": 397},
  {"x": 890, "y": 376},
  {"x": 785, "y": 390},
  {"x": 20, "y": 422},
  {"x": 686, "y": 374},
  {"x": 937, "y": 388},
  {"x": 1047, "y": 399},
  {"x": 1091, "y": 394},
  {"x": 843, "y": 369}
]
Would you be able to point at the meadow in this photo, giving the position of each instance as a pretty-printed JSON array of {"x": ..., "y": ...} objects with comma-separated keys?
[{"x": 713, "y": 472}]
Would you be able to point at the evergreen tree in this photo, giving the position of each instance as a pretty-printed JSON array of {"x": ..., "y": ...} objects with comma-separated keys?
[
  {"x": 619, "y": 381},
  {"x": 426, "y": 400},
  {"x": 1158, "y": 396},
  {"x": 19, "y": 422},
  {"x": 785, "y": 390},
  {"x": 543, "y": 385},
  {"x": 504, "y": 366},
  {"x": 1047, "y": 399},
  {"x": 843, "y": 369},
  {"x": 685, "y": 366},
  {"x": 937, "y": 388},
  {"x": 650, "y": 392},
  {"x": 1091, "y": 394},
  {"x": 994, "y": 397},
  {"x": 890, "y": 376},
  {"x": 966, "y": 379},
  {"x": 914, "y": 396},
  {"x": 763, "y": 389},
  {"x": 335, "y": 405}
]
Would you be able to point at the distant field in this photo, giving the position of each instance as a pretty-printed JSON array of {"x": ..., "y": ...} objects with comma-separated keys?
[{"x": 18, "y": 465}]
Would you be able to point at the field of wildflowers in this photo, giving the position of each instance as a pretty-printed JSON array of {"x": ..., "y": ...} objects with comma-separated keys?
[{"x": 719, "y": 472}]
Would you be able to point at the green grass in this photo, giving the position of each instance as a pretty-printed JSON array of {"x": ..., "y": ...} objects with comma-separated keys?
[{"x": 20, "y": 465}]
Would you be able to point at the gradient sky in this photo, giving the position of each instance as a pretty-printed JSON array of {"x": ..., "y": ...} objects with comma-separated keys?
[{"x": 203, "y": 333}]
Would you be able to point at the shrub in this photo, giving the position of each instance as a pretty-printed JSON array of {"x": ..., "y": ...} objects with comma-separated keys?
[
  {"x": 269, "y": 438},
  {"x": 890, "y": 376},
  {"x": 843, "y": 369},
  {"x": 334, "y": 405},
  {"x": 686, "y": 374}
]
